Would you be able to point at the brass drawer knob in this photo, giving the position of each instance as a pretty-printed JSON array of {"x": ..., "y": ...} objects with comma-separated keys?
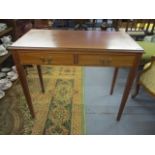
[
  {"x": 46, "y": 61},
  {"x": 106, "y": 61}
]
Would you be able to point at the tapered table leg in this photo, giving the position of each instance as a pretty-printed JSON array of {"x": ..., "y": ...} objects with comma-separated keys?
[
  {"x": 24, "y": 84},
  {"x": 131, "y": 77},
  {"x": 41, "y": 78},
  {"x": 137, "y": 87},
  {"x": 114, "y": 80}
]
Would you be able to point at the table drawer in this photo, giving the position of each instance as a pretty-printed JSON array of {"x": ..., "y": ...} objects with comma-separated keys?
[
  {"x": 106, "y": 60},
  {"x": 42, "y": 58}
]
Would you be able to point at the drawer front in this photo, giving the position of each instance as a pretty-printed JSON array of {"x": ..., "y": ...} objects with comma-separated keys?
[
  {"x": 106, "y": 60},
  {"x": 46, "y": 58}
]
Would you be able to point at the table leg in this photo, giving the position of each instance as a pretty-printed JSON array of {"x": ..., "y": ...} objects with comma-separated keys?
[
  {"x": 137, "y": 87},
  {"x": 131, "y": 77},
  {"x": 41, "y": 78},
  {"x": 114, "y": 80},
  {"x": 24, "y": 84}
]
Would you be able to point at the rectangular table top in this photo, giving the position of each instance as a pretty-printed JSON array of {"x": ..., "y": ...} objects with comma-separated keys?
[{"x": 71, "y": 39}]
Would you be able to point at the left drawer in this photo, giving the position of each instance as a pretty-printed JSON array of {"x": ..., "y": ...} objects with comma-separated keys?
[{"x": 46, "y": 58}]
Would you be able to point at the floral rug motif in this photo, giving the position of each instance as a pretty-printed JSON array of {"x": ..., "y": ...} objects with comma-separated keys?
[
  {"x": 58, "y": 111},
  {"x": 65, "y": 114}
]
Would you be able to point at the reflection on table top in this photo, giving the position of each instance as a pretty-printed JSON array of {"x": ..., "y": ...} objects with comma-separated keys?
[{"x": 70, "y": 39}]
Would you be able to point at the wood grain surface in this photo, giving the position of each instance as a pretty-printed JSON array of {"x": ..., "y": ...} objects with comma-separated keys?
[{"x": 70, "y": 39}]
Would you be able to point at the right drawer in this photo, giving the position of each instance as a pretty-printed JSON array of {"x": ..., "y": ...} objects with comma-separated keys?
[{"x": 106, "y": 60}]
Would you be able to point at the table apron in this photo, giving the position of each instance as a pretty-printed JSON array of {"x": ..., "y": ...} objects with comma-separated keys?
[{"x": 80, "y": 59}]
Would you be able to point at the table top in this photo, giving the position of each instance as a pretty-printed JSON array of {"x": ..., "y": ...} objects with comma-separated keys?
[{"x": 71, "y": 39}]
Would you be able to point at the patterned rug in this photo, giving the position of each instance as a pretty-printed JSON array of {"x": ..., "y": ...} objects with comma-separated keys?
[{"x": 58, "y": 111}]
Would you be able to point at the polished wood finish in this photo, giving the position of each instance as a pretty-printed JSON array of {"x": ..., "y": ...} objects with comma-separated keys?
[
  {"x": 114, "y": 80},
  {"x": 78, "y": 48},
  {"x": 106, "y": 59},
  {"x": 131, "y": 76},
  {"x": 41, "y": 23},
  {"x": 61, "y": 58},
  {"x": 46, "y": 58},
  {"x": 23, "y": 80},
  {"x": 62, "y": 40},
  {"x": 138, "y": 83},
  {"x": 40, "y": 78},
  {"x": 136, "y": 89}
]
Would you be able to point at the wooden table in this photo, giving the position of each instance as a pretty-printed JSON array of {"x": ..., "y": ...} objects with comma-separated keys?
[{"x": 77, "y": 48}]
